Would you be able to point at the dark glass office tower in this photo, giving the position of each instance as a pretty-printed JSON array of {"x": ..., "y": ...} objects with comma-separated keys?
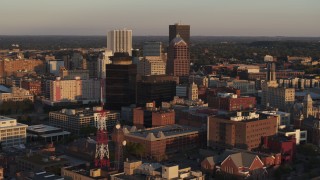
[
  {"x": 120, "y": 82},
  {"x": 182, "y": 30}
]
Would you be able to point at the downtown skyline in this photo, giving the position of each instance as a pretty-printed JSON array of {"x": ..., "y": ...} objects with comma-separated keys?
[{"x": 151, "y": 18}]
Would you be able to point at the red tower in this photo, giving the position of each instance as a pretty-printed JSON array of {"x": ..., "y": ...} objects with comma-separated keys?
[{"x": 102, "y": 149}]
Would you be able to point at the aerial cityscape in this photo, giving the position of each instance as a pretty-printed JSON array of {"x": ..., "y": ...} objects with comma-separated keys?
[{"x": 152, "y": 90}]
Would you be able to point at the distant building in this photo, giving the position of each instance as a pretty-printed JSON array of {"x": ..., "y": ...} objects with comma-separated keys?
[
  {"x": 54, "y": 66},
  {"x": 151, "y": 116},
  {"x": 151, "y": 65},
  {"x": 9, "y": 66},
  {"x": 74, "y": 119},
  {"x": 120, "y": 41},
  {"x": 151, "y": 48},
  {"x": 36, "y": 162},
  {"x": 193, "y": 92},
  {"x": 182, "y": 30},
  {"x": 182, "y": 91},
  {"x": 139, "y": 170},
  {"x": 76, "y": 90},
  {"x": 72, "y": 74},
  {"x": 156, "y": 88},
  {"x": 231, "y": 102},
  {"x": 32, "y": 85},
  {"x": 283, "y": 117},
  {"x": 12, "y": 133},
  {"x": 83, "y": 172},
  {"x": 178, "y": 63},
  {"x": 242, "y": 130},
  {"x": 16, "y": 94},
  {"x": 46, "y": 133},
  {"x": 274, "y": 96},
  {"x": 103, "y": 60}
]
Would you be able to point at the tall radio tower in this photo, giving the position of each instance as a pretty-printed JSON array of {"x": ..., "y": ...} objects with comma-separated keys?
[{"x": 102, "y": 149}]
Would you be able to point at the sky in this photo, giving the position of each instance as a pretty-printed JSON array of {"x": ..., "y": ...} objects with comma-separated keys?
[{"x": 152, "y": 17}]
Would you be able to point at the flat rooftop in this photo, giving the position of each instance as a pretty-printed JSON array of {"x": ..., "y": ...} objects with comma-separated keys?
[
  {"x": 4, "y": 118},
  {"x": 167, "y": 131},
  {"x": 42, "y": 128},
  {"x": 83, "y": 170}
]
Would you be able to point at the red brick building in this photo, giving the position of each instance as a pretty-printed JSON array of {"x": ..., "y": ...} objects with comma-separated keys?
[
  {"x": 8, "y": 67},
  {"x": 286, "y": 146},
  {"x": 195, "y": 117},
  {"x": 152, "y": 117},
  {"x": 33, "y": 86},
  {"x": 178, "y": 63},
  {"x": 242, "y": 130},
  {"x": 232, "y": 103},
  {"x": 243, "y": 165},
  {"x": 214, "y": 91},
  {"x": 160, "y": 141}
]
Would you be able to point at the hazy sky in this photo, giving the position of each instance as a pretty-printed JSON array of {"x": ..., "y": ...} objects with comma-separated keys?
[{"x": 152, "y": 17}]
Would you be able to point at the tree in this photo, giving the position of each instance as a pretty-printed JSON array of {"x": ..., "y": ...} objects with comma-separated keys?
[
  {"x": 88, "y": 130},
  {"x": 135, "y": 149}
]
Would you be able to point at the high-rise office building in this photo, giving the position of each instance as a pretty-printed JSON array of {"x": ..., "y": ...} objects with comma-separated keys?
[
  {"x": 120, "y": 41},
  {"x": 178, "y": 63},
  {"x": 151, "y": 65},
  {"x": 120, "y": 88},
  {"x": 152, "y": 48},
  {"x": 182, "y": 30}
]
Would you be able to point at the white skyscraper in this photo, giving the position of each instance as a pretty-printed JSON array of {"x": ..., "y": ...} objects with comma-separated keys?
[
  {"x": 120, "y": 41},
  {"x": 102, "y": 61}
]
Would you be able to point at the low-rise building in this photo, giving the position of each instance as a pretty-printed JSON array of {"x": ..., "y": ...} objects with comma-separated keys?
[
  {"x": 139, "y": 170},
  {"x": 74, "y": 119},
  {"x": 75, "y": 90},
  {"x": 152, "y": 116},
  {"x": 163, "y": 140},
  {"x": 242, "y": 130},
  {"x": 46, "y": 133},
  {"x": 283, "y": 117},
  {"x": 281, "y": 144},
  {"x": 11, "y": 132},
  {"x": 231, "y": 102},
  {"x": 37, "y": 162},
  {"x": 83, "y": 172},
  {"x": 32, "y": 85},
  {"x": 16, "y": 94}
]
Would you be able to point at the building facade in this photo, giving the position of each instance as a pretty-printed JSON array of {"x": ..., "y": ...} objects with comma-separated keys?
[
  {"x": 120, "y": 82},
  {"x": 9, "y": 66},
  {"x": 74, "y": 90},
  {"x": 243, "y": 130},
  {"x": 151, "y": 65},
  {"x": 11, "y": 132},
  {"x": 156, "y": 88},
  {"x": 152, "y": 117},
  {"x": 120, "y": 41},
  {"x": 16, "y": 94},
  {"x": 74, "y": 120},
  {"x": 178, "y": 63}
]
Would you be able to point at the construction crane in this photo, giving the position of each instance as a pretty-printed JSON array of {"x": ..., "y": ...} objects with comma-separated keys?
[{"x": 102, "y": 149}]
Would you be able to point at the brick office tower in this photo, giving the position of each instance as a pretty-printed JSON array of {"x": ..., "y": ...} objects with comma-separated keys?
[
  {"x": 183, "y": 30},
  {"x": 178, "y": 63}
]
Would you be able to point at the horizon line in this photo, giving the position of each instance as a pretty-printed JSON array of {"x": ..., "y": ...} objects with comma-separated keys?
[{"x": 285, "y": 36}]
